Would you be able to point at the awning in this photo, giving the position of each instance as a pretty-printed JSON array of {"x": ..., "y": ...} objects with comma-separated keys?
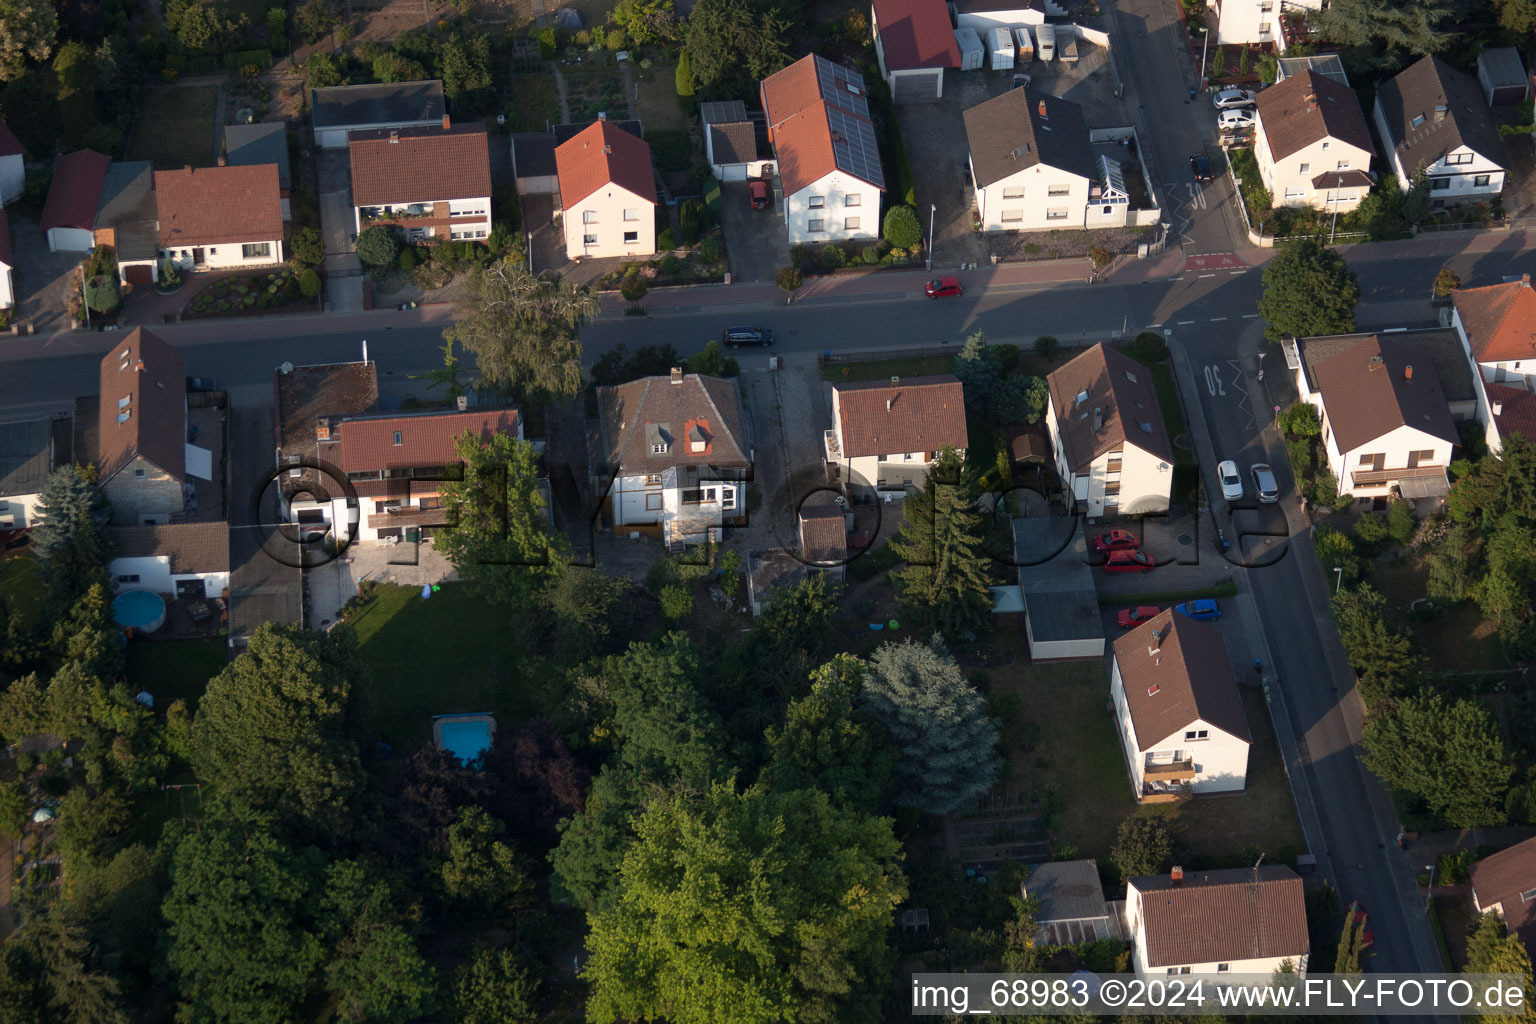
[
  {"x": 1437, "y": 486},
  {"x": 199, "y": 462}
]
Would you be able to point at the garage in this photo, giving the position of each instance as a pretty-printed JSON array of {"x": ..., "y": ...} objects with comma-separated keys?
[
  {"x": 925, "y": 86},
  {"x": 1061, "y": 608},
  {"x": 533, "y": 163},
  {"x": 733, "y": 141},
  {"x": 914, "y": 43},
  {"x": 139, "y": 274},
  {"x": 341, "y": 109}
]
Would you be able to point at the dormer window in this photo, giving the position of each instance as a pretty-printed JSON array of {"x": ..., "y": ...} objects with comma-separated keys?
[
  {"x": 659, "y": 448},
  {"x": 1416, "y": 122},
  {"x": 122, "y": 403}
]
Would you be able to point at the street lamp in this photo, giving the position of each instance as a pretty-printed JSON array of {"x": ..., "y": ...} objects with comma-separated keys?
[
  {"x": 1333, "y": 229},
  {"x": 933, "y": 209},
  {"x": 1203, "y": 48},
  {"x": 1339, "y": 578},
  {"x": 1429, "y": 891}
]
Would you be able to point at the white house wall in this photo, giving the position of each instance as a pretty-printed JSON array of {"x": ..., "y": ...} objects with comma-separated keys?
[
  {"x": 1130, "y": 746},
  {"x": 636, "y": 503},
  {"x": 13, "y": 176},
  {"x": 1023, "y": 201},
  {"x": 20, "y": 509},
  {"x": 985, "y": 21},
  {"x": 1248, "y": 21},
  {"x": 226, "y": 255},
  {"x": 7, "y": 287},
  {"x": 1221, "y": 759},
  {"x": 1290, "y": 180},
  {"x": 835, "y": 192},
  {"x": 1462, "y": 187},
  {"x": 1395, "y": 446},
  {"x": 154, "y": 575},
  {"x": 602, "y": 218}
]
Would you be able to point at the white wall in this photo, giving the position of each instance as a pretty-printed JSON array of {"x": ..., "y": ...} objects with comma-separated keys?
[
  {"x": 71, "y": 240},
  {"x": 1027, "y": 195},
  {"x": 1462, "y": 176},
  {"x": 1130, "y": 746},
  {"x": 634, "y": 500},
  {"x": 1145, "y": 486},
  {"x": 480, "y": 208},
  {"x": 7, "y": 287},
  {"x": 1395, "y": 445},
  {"x": 1061, "y": 650},
  {"x": 1248, "y": 21},
  {"x": 607, "y": 227},
  {"x": 154, "y": 574},
  {"x": 13, "y": 175},
  {"x": 336, "y": 137},
  {"x": 20, "y": 507},
  {"x": 226, "y": 255},
  {"x": 984, "y": 21},
  {"x": 834, "y": 190},
  {"x": 1290, "y": 185},
  {"x": 1221, "y": 759}
]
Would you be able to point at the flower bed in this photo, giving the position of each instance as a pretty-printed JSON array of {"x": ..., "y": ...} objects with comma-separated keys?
[
  {"x": 673, "y": 268},
  {"x": 248, "y": 295}
]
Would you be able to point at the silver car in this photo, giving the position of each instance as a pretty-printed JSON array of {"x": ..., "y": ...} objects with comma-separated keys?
[
  {"x": 1264, "y": 483},
  {"x": 1232, "y": 99},
  {"x": 1231, "y": 481}
]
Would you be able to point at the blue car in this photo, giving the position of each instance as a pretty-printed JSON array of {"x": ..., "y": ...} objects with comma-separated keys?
[{"x": 1203, "y": 609}]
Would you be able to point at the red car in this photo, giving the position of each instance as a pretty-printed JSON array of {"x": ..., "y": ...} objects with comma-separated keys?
[
  {"x": 943, "y": 287},
  {"x": 758, "y": 190},
  {"x": 1129, "y": 561},
  {"x": 1115, "y": 540},
  {"x": 1359, "y": 919},
  {"x": 1129, "y": 617}
]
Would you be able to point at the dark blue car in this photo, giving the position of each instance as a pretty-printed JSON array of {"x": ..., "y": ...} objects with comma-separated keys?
[{"x": 1203, "y": 609}]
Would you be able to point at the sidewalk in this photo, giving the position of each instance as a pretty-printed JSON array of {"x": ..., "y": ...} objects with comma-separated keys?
[{"x": 1448, "y": 244}]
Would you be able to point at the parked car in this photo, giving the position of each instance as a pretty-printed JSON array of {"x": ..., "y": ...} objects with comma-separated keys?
[
  {"x": 735, "y": 337},
  {"x": 944, "y": 287},
  {"x": 1021, "y": 79},
  {"x": 1201, "y": 609},
  {"x": 1240, "y": 119},
  {"x": 1135, "y": 560},
  {"x": 1358, "y": 918},
  {"x": 201, "y": 384},
  {"x": 1232, "y": 99},
  {"x": 1264, "y": 483},
  {"x": 1231, "y": 481},
  {"x": 1200, "y": 167},
  {"x": 1129, "y": 617},
  {"x": 1115, "y": 540},
  {"x": 758, "y": 190}
]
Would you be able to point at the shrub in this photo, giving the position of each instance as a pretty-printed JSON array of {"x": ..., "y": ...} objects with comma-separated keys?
[
  {"x": 709, "y": 251},
  {"x": 665, "y": 240},
  {"x": 377, "y": 246},
  {"x": 901, "y": 227},
  {"x": 1046, "y": 346},
  {"x": 684, "y": 76},
  {"x": 308, "y": 247},
  {"x": 787, "y": 278},
  {"x": 831, "y": 257},
  {"x": 1150, "y": 347},
  {"x": 309, "y": 283},
  {"x": 676, "y": 601},
  {"x": 1401, "y": 522},
  {"x": 671, "y": 265},
  {"x": 170, "y": 275},
  {"x": 688, "y": 218},
  {"x": 1299, "y": 450},
  {"x": 615, "y": 40},
  {"x": 1370, "y": 529},
  {"x": 548, "y": 45},
  {"x": 407, "y": 260},
  {"x": 344, "y": 33},
  {"x": 1325, "y": 489},
  {"x": 102, "y": 293},
  {"x": 1301, "y": 420},
  {"x": 1335, "y": 549},
  {"x": 1446, "y": 282},
  {"x": 870, "y": 255},
  {"x": 632, "y": 287},
  {"x": 1100, "y": 256}
]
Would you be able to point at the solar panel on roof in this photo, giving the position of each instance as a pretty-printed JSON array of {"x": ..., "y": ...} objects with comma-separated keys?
[{"x": 854, "y": 146}]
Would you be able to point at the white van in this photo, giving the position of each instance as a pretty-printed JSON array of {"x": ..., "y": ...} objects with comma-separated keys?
[
  {"x": 1045, "y": 42},
  {"x": 1024, "y": 45}
]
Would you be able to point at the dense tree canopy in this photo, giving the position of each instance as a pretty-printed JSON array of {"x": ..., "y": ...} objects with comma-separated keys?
[
  {"x": 1449, "y": 755},
  {"x": 1143, "y": 846},
  {"x": 946, "y": 577},
  {"x": 1308, "y": 291},
  {"x": 732, "y": 45},
  {"x": 1390, "y": 33},
  {"x": 46, "y": 975},
  {"x": 28, "y": 29},
  {"x": 830, "y": 742},
  {"x": 70, "y": 535}
]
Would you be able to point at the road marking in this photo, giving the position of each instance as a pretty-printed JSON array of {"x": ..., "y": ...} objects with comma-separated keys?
[
  {"x": 1185, "y": 323},
  {"x": 1217, "y": 319},
  {"x": 1250, "y": 316},
  {"x": 1207, "y": 275},
  {"x": 1150, "y": 326},
  {"x": 1179, "y": 278},
  {"x": 1235, "y": 272},
  {"x": 1213, "y": 382}
]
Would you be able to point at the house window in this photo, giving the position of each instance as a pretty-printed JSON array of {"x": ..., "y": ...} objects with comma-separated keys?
[
  {"x": 1293, "y": 192},
  {"x": 653, "y": 479},
  {"x": 1012, "y": 216},
  {"x": 139, "y": 474},
  {"x": 882, "y": 458},
  {"x": 728, "y": 498},
  {"x": 659, "y": 448},
  {"x": 1480, "y": 181},
  {"x": 1376, "y": 461},
  {"x": 256, "y": 250},
  {"x": 1112, "y": 500},
  {"x": 1459, "y": 158},
  {"x": 908, "y": 457},
  {"x": 1106, "y": 210},
  {"x": 653, "y": 502},
  {"x": 1263, "y": 28},
  {"x": 850, "y": 223},
  {"x": 398, "y": 438},
  {"x": 1191, "y": 735},
  {"x": 1325, "y": 145},
  {"x": 1112, "y": 487},
  {"x": 631, "y": 214},
  {"x": 1014, "y": 192},
  {"x": 1178, "y": 970},
  {"x": 817, "y": 202},
  {"x": 1416, "y": 121},
  {"x": 1528, "y": 895},
  {"x": 814, "y": 225},
  {"x": 1056, "y": 213},
  {"x": 631, "y": 236},
  {"x": 1059, "y": 190},
  {"x": 1266, "y": 6},
  {"x": 1113, "y": 466},
  {"x": 1223, "y": 968},
  {"x": 1421, "y": 458},
  {"x": 589, "y": 216},
  {"x": 130, "y": 578},
  {"x": 1304, "y": 168},
  {"x": 853, "y": 200},
  {"x": 1343, "y": 165},
  {"x": 588, "y": 239},
  {"x": 293, "y": 460}
]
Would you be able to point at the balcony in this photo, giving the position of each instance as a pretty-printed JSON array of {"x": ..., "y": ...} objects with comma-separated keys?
[
  {"x": 1169, "y": 771},
  {"x": 1381, "y": 477}
]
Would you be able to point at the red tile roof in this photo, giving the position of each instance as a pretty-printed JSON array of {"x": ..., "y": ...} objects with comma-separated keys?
[
  {"x": 152, "y": 423},
  {"x": 10, "y": 145},
  {"x": 1222, "y": 916},
  {"x": 823, "y": 534},
  {"x": 919, "y": 414},
  {"x": 1517, "y": 410},
  {"x": 790, "y": 90},
  {"x": 818, "y": 122},
  {"x": 420, "y": 165},
  {"x": 214, "y": 205},
  {"x": 916, "y": 34},
  {"x": 602, "y": 154},
  {"x": 1501, "y": 878},
  {"x": 76, "y": 191},
  {"x": 1174, "y": 670},
  {"x": 426, "y": 439},
  {"x": 1499, "y": 320}
]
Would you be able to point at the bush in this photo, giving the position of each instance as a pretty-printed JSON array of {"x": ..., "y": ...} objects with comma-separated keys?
[
  {"x": 787, "y": 278},
  {"x": 407, "y": 260},
  {"x": 309, "y": 283},
  {"x": 102, "y": 293},
  {"x": 709, "y": 251},
  {"x": 615, "y": 40},
  {"x": 1370, "y": 529},
  {"x": 633, "y": 287},
  {"x": 676, "y": 601},
  {"x": 548, "y": 45},
  {"x": 688, "y": 218},
  {"x": 665, "y": 240},
  {"x": 1100, "y": 256},
  {"x": 1150, "y": 347},
  {"x": 901, "y": 227},
  {"x": 683, "y": 78},
  {"x": 170, "y": 275},
  {"x": 870, "y": 255},
  {"x": 377, "y": 247},
  {"x": 1299, "y": 451},
  {"x": 831, "y": 257},
  {"x": 1046, "y": 346},
  {"x": 1401, "y": 522},
  {"x": 1301, "y": 420},
  {"x": 672, "y": 265},
  {"x": 308, "y": 247},
  {"x": 1335, "y": 549}
]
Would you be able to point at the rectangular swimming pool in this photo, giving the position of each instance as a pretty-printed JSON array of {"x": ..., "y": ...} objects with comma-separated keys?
[{"x": 466, "y": 737}]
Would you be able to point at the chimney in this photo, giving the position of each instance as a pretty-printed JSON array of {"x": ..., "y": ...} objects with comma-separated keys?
[
  {"x": 463, "y": 403},
  {"x": 1408, "y": 372},
  {"x": 888, "y": 403},
  {"x": 222, "y": 162},
  {"x": 1525, "y": 280},
  {"x": 677, "y": 375},
  {"x": 447, "y": 122},
  {"x": 1439, "y": 113},
  {"x": 1176, "y": 876},
  {"x": 1498, "y": 407},
  {"x": 1042, "y": 109},
  {"x": 602, "y": 115},
  {"x": 394, "y": 136},
  {"x": 1310, "y": 99},
  {"x": 187, "y": 168}
]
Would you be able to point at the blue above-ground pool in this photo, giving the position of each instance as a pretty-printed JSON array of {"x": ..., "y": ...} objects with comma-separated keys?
[
  {"x": 139, "y": 609},
  {"x": 466, "y": 737}
]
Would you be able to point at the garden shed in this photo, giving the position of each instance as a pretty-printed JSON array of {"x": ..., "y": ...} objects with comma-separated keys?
[
  {"x": 1061, "y": 609},
  {"x": 1502, "y": 76}
]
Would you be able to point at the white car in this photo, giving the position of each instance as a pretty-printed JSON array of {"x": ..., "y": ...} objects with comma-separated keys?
[
  {"x": 1231, "y": 481},
  {"x": 1232, "y": 99},
  {"x": 1235, "y": 120}
]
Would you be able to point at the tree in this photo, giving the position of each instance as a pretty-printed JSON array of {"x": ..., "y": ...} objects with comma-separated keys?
[
  {"x": 314, "y": 19},
  {"x": 711, "y": 361},
  {"x": 741, "y": 907},
  {"x": 373, "y": 968},
  {"x": 945, "y": 739},
  {"x": 592, "y": 841},
  {"x": 787, "y": 278},
  {"x": 1388, "y": 663},
  {"x": 1519, "y": 16},
  {"x": 46, "y": 975},
  {"x": 481, "y": 872},
  {"x": 23, "y": 710},
  {"x": 1308, "y": 291},
  {"x": 308, "y": 247},
  {"x": 1389, "y": 32},
  {"x": 633, "y": 287},
  {"x": 280, "y": 728},
  {"x": 731, "y": 44},
  {"x": 69, "y": 538},
  {"x": 1451, "y": 566},
  {"x": 1301, "y": 420},
  {"x": 647, "y": 22},
  {"x": 979, "y": 370},
  {"x": 1019, "y": 400},
  {"x": 496, "y": 987},
  {"x": 665, "y": 728},
  {"x": 28, "y": 29},
  {"x": 1143, "y": 846},
  {"x": 584, "y": 604},
  {"x": 464, "y": 65},
  {"x": 946, "y": 578},
  {"x": 1450, "y": 756},
  {"x": 522, "y": 329},
  {"x": 377, "y": 246},
  {"x": 901, "y": 227},
  {"x": 73, "y": 67},
  {"x": 1347, "y": 959},
  {"x": 390, "y": 66},
  {"x": 1046, "y": 346},
  {"x": 1492, "y": 950},
  {"x": 500, "y": 538},
  {"x": 831, "y": 742}
]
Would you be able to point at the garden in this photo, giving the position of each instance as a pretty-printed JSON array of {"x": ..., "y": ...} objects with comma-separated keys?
[
  {"x": 273, "y": 291},
  {"x": 426, "y": 268},
  {"x": 691, "y": 254}
]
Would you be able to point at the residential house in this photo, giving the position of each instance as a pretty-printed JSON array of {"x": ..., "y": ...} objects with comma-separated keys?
[
  {"x": 340, "y": 110},
  {"x": 1113, "y": 452},
  {"x": 249, "y": 145},
  {"x": 29, "y": 451},
  {"x": 828, "y": 155},
  {"x": 1256, "y": 21},
  {"x": 177, "y": 560},
  {"x": 431, "y": 182},
  {"x": 1496, "y": 325},
  {"x": 7, "y": 264},
  {"x": 94, "y": 201},
  {"x": 144, "y": 462},
  {"x": 1069, "y": 903},
  {"x": 985, "y": 15},
  {"x": 1062, "y": 621},
  {"x": 312, "y": 482},
  {"x": 676, "y": 456},
  {"x": 607, "y": 193},
  {"x": 1502, "y": 76},
  {"x": 1311, "y": 143},
  {"x": 1433, "y": 116},
  {"x": 886, "y": 434},
  {"x": 731, "y": 144},
  {"x": 218, "y": 218},
  {"x": 13, "y": 171},
  {"x": 1229, "y": 921},
  {"x": 1177, "y": 709},
  {"x": 914, "y": 43},
  {"x": 823, "y": 533},
  {"x": 1513, "y": 411},
  {"x": 1386, "y": 422},
  {"x": 1035, "y": 169},
  {"x": 1504, "y": 883}
]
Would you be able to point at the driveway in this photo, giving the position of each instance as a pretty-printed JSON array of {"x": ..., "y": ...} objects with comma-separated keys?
[
  {"x": 755, "y": 241},
  {"x": 334, "y": 169},
  {"x": 42, "y": 278},
  {"x": 262, "y": 588}
]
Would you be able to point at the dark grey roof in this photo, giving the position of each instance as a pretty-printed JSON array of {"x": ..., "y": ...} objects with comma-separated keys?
[
  {"x": 128, "y": 207},
  {"x": 343, "y": 106},
  {"x": 26, "y": 456},
  {"x": 1452, "y": 110},
  {"x": 733, "y": 142},
  {"x": 567, "y": 132},
  {"x": 266, "y": 143},
  {"x": 1055, "y": 580},
  {"x": 1067, "y": 890},
  {"x": 1007, "y": 134},
  {"x": 533, "y": 154},
  {"x": 1501, "y": 66},
  {"x": 1440, "y": 346},
  {"x": 722, "y": 111}
]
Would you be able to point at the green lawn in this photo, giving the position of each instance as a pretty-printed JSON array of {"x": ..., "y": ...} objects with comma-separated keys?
[
  {"x": 1460, "y": 640},
  {"x": 175, "y": 670},
  {"x": 175, "y": 127},
  {"x": 535, "y": 103},
  {"x": 20, "y": 586},
  {"x": 875, "y": 369},
  {"x": 452, "y": 653}
]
